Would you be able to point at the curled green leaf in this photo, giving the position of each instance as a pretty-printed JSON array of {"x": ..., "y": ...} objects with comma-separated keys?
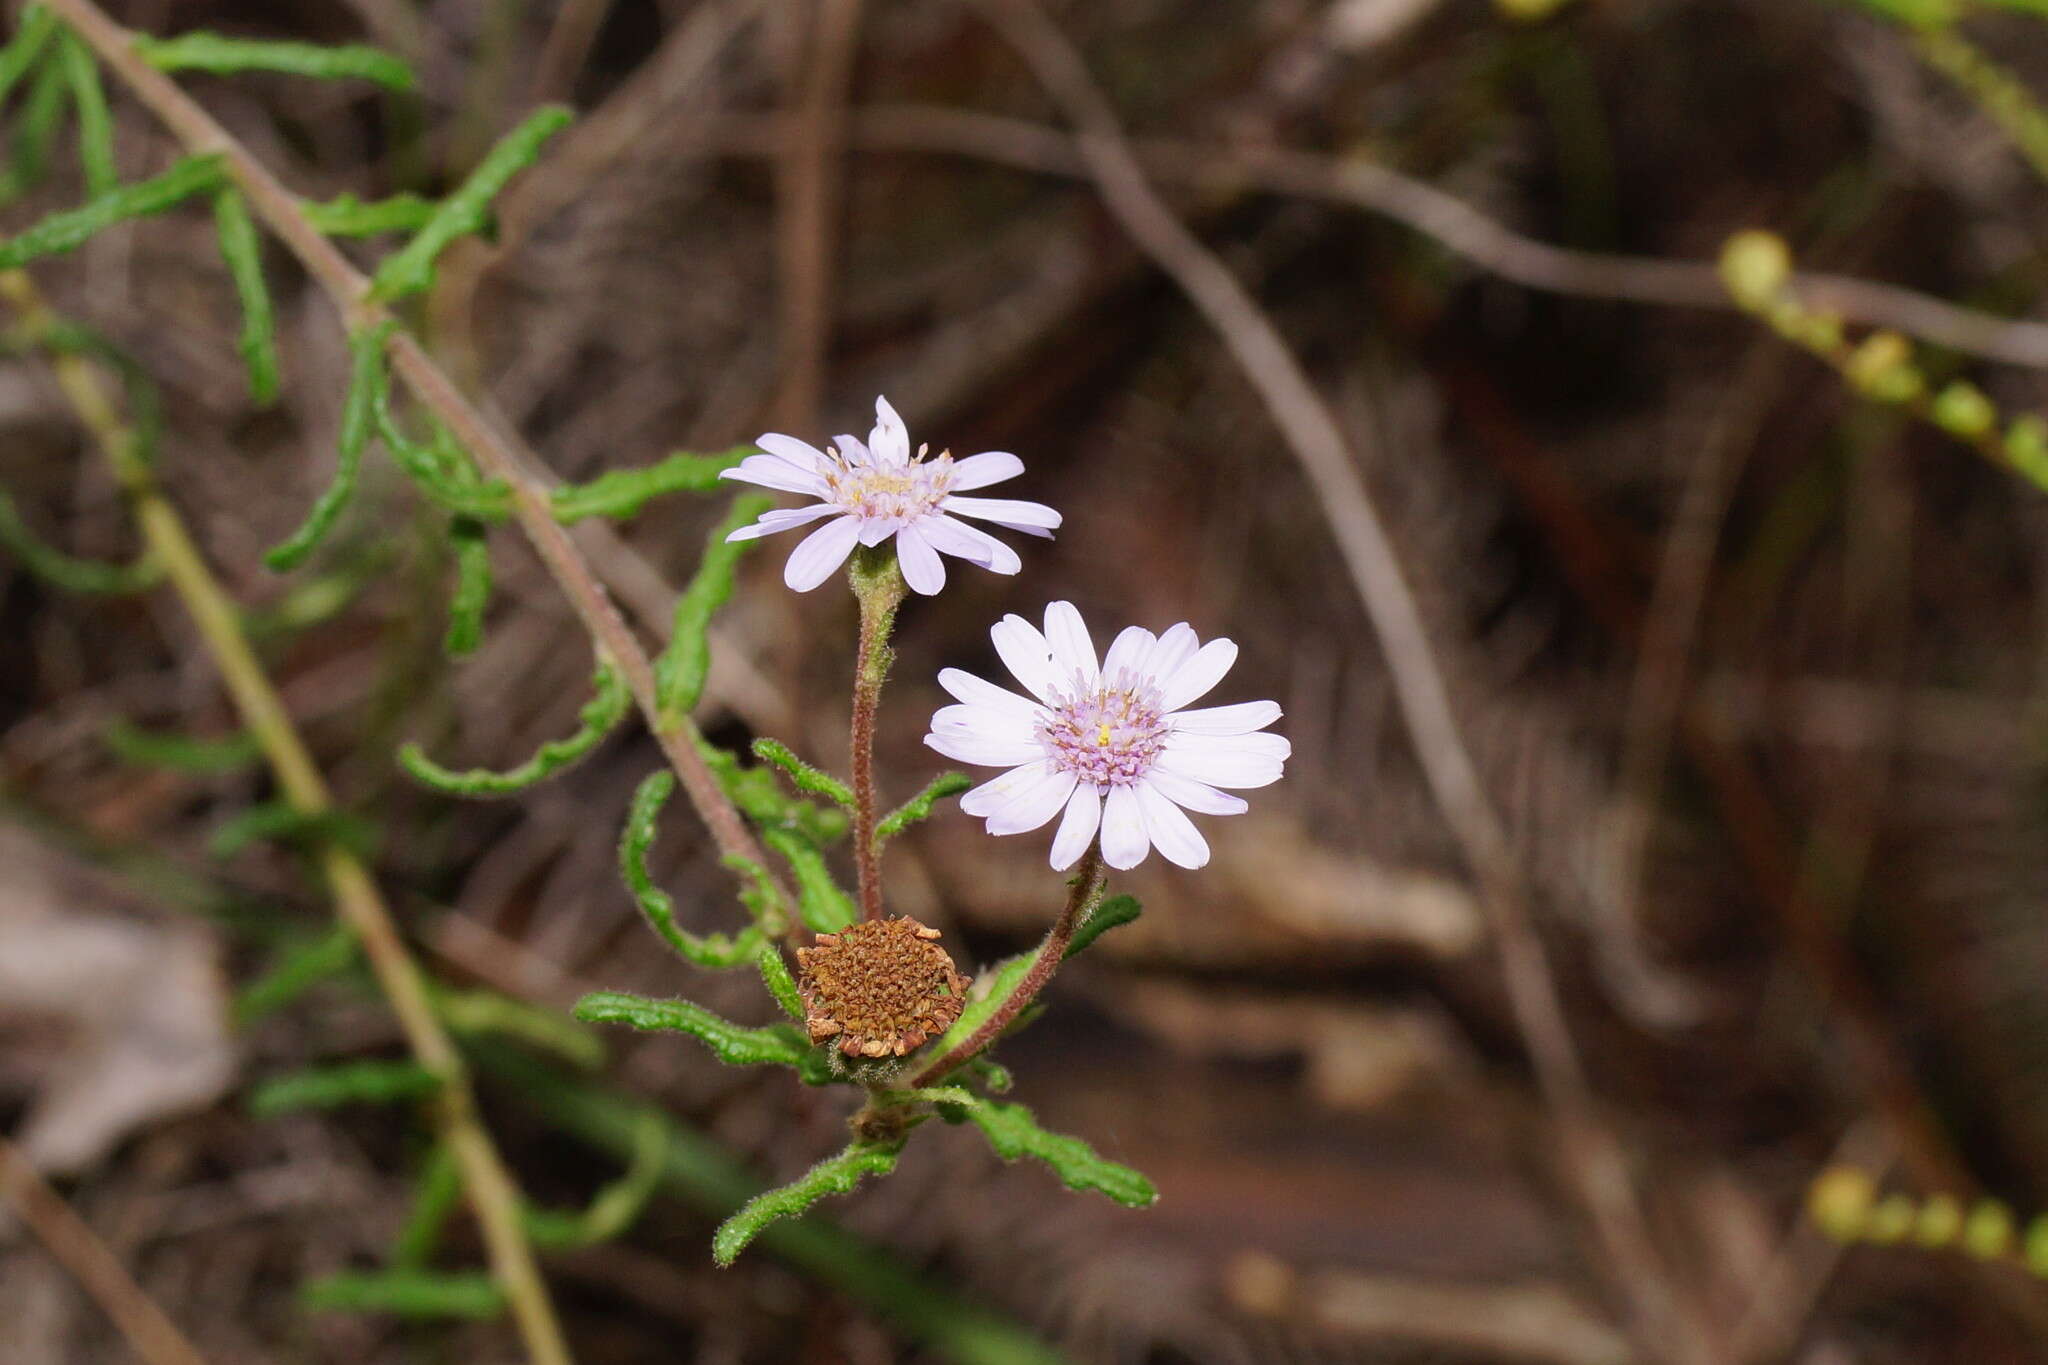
[
  {"x": 775, "y": 975},
  {"x": 69, "y": 572},
  {"x": 711, "y": 950},
  {"x": 919, "y": 807},
  {"x": 420, "y": 1294},
  {"x": 621, "y": 493},
  {"x": 468, "y": 538},
  {"x": 219, "y": 55},
  {"x": 441, "y": 470},
  {"x": 680, "y": 672},
  {"x": 331, "y": 1087},
  {"x": 797, "y": 830},
  {"x": 1013, "y": 1132},
  {"x": 599, "y": 717},
  {"x": 733, "y": 1044},
  {"x": 834, "y": 1175},
  {"x": 242, "y": 250},
  {"x": 482, "y": 1013},
  {"x": 615, "y": 1208},
  {"x": 368, "y": 379},
  {"x": 69, "y": 229},
  {"x": 410, "y": 269},
  {"x": 802, "y": 775},
  {"x": 1108, "y": 914}
]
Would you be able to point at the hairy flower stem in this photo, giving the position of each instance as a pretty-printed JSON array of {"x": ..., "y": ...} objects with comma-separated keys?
[
  {"x": 492, "y": 1194},
  {"x": 1086, "y": 889},
  {"x": 878, "y": 583}
]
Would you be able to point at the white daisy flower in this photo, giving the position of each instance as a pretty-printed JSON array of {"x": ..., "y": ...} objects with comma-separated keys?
[
  {"x": 880, "y": 489},
  {"x": 1111, "y": 745}
]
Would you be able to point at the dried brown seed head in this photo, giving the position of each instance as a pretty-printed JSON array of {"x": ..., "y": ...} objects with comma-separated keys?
[{"x": 882, "y": 987}]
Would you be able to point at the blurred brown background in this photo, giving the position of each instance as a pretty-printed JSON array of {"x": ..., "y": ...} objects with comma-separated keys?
[{"x": 1750, "y": 670}]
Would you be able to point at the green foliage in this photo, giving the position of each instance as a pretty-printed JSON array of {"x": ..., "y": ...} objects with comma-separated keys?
[
  {"x": 331, "y": 1087},
  {"x": 68, "y": 229},
  {"x": 95, "y": 120},
  {"x": 616, "y": 1207},
  {"x": 299, "y": 971},
  {"x": 275, "y": 821},
  {"x": 599, "y": 717},
  {"x": 1916, "y": 13},
  {"x": 775, "y": 976},
  {"x": 984, "y": 998},
  {"x": 242, "y": 250},
  {"x": 223, "y": 56},
  {"x": 993, "y": 1077},
  {"x": 199, "y": 757},
  {"x": 621, "y": 493},
  {"x": 410, "y": 269},
  {"x": 796, "y": 830},
  {"x": 802, "y": 775},
  {"x": 347, "y": 216},
  {"x": 680, "y": 672},
  {"x": 468, "y": 538},
  {"x": 145, "y": 409},
  {"x": 25, "y": 49},
  {"x": 733, "y": 1044},
  {"x": 69, "y": 572},
  {"x": 368, "y": 379},
  {"x": 712, "y": 950},
  {"x": 1013, "y": 1132},
  {"x": 834, "y": 1175},
  {"x": 418, "y": 1294},
  {"x": 1109, "y": 914},
  {"x": 435, "y": 1196},
  {"x": 440, "y": 468},
  {"x": 35, "y": 131},
  {"x": 919, "y": 807},
  {"x": 2002, "y": 96},
  {"x": 475, "y": 1014}
]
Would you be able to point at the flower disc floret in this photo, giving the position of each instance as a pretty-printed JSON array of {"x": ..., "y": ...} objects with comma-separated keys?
[
  {"x": 1110, "y": 747},
  {"x": 878, "y": 489},
  {"x": 882, "y": 988}
]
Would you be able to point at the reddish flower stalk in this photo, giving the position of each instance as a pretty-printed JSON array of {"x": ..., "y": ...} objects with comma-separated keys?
[{"x": 878, "y": 584}]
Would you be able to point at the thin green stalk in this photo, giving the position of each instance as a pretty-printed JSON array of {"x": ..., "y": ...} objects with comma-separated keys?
[{"x": 878, "y": 583}]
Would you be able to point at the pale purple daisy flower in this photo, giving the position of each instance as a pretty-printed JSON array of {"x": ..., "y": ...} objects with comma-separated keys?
[
  {"x": 1109, "y": 744},
  {"x": 879, "y": 489}
]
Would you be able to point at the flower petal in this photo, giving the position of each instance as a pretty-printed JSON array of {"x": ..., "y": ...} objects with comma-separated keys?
[
  {"x": 1011, "y": 512},
  {"x": 1196, "y": 796},
  {"x": 1261, "y": 742},
  {"x": 970, "y": 543},
  {"x": 995, "y": 723},
  {"x": 782, "y": 519},
  {"x": 1218, "y": 767},
  {"x": 984, "y": 751},
  {"x": 890, "y": 440},
  {"x": 1195, "y": 677},
  {"x": 822, "y": 551},
  {"x": 1077, "y": 829},
  {"x": 854, "y": 450},
  {"x": 771, "y": 471},
  {"x": 1240, "y": 719},
  {"x": 993, "y": 795},
  {"x": 1026, "y": 654},
  {"x": 923, "y": 570},
  {"x": 991, "y": 466},
  {"x": 875, "y": 530},
  {"x": 1124, "y": 843},
  {"x": 981, "y": 692},
  {"x": 1034, "y": 804},
  {"x": 1176, "y": 646},
  {"x": 802, "y": 454},
  {"x": 1073, "y": 653},
  {"x": 1171, "y": 832},
  {"x": 1126, "y": 652}
]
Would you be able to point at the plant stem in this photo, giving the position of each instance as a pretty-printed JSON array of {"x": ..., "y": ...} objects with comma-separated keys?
[
  {"x": 501, "y": 454},
  {"x": 492, "y": 1195},
  {"x": 1086, "y": 891},
  {"x": 878, "y": 583}
]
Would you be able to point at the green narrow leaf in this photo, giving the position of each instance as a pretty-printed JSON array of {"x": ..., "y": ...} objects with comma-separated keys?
[
  {"x": 300, "y": 970},
  {"x": 69, "y": 572},
  {"x": 758, "y": 893},
  {"x": 242, "y": 250},
  {"x": 276, "y": 821},
  {"x": 616, "y": 1207},
  {"x": 410, "y": 269},
  {"x": 347, "y": 216},
  {"x": 35, "y": 131},
  {"x": 435, "y": 1197},
  {"x": 1107, "y": 915},
  {"x": 440, "y": 471},
  {"x": 919, "y": 807},
  {"x": 834, "y": 1175},
  {"x": 680, "y": 671},
  {"x": 218, "y": 55},
  {"x": 25, "y": 48},
  {"x": 775, "y": 975},
  {"x": 1013, "y": 1132},
  {"x": 599, "y": 717},
  {"x": 984, "y": 998},
  {"x": 418, "y": 1294},
  {"x": 200, "y": 757},
  {"x": 368, "y": 379},
  {"x": 472, "y": 596},
  {"x": 994, "y": 1077},
  {"x": 802, "y": 775},
  {"x": 621, "y": 493},
  {"x": 145, "y": 409},
  {"x": 733, "y": 1044},
  {"x": 479, "y": 1013},
  {"x": 824, "y": 907},
  {"x": 796, "y": 830},
  {"x": 95, "y": 120},
  {"x": 331, "y": 1087},
  {"x": 716, "y": 951},
  {"x": 68, "y": 229}
]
